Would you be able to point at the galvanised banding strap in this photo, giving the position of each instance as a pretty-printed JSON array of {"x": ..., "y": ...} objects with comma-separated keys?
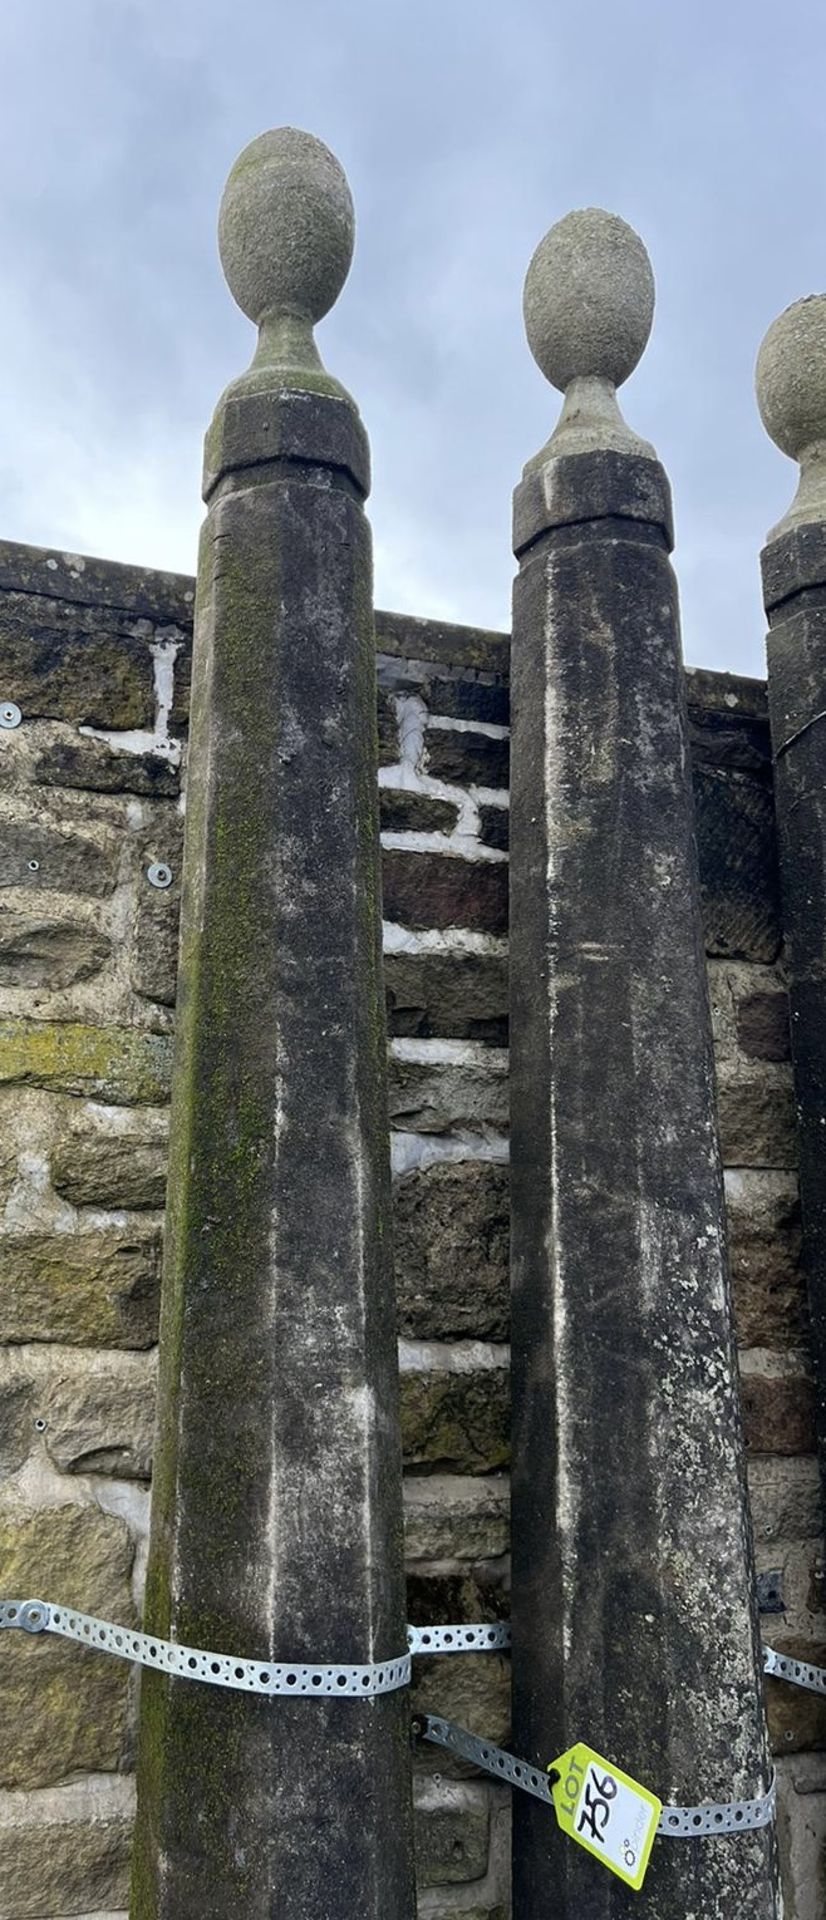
[
  {"x": 677, "y": 1823},
  {"x": 367, "y": 1681},
  {"x": 192, "y": 1663}
]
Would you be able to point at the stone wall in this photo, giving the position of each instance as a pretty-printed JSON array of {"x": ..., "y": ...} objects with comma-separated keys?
[{"x": 96, "y": 656}]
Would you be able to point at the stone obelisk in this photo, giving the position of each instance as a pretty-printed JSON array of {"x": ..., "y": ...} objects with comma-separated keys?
[
  {"x": 791, "y": 392},
  {"x": 277, "y": 1518},
  {"x": 634, "y": 1625}
]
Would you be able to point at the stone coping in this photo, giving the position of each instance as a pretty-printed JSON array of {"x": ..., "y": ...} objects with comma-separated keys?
[{"x": 149, "y": 592}]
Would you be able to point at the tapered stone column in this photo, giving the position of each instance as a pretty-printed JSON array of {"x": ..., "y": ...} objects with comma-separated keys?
[
  {"x": 634, "y": 1623},
  {"x": 277, "y": 1522},
  {"x": 791, "y": 392}
]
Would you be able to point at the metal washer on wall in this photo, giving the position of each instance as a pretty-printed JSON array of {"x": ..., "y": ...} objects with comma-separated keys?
[{"x": 10, "y": 715}]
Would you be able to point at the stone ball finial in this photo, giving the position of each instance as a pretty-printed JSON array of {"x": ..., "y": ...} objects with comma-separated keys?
[
  {"x": 589, "y": 299},
  {"x": 790, "y": 378},
  {"x": 589, "y": 305},
  {"x": 286, "y": 227}
]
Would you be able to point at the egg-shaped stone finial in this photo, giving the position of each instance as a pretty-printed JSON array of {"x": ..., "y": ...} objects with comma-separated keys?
[
  {"x": 285, "y": 235},
  {"x": 589, "y": 306},
  {"x": 790, "y": 378}
]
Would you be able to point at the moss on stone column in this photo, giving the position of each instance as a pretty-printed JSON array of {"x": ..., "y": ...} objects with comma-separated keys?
[{"x": 277, "y": 1521}]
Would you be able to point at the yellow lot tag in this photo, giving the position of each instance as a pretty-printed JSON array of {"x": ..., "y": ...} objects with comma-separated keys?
[{"x": 603, "y": 1810}]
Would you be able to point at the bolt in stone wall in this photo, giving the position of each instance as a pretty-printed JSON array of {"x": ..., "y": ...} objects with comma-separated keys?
[{"x": 97, "y": 658}]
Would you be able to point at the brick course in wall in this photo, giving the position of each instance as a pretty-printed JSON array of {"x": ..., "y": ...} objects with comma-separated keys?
[{"x": 97, "y": 657}]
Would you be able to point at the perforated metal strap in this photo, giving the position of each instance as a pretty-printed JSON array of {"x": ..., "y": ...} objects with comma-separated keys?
[
  {"x": 677, "y": 1823},
  {"x": 800, "y": 1672},
  {"x": 191, "y": 1663},
  {"x": 487, "y": 1637}
]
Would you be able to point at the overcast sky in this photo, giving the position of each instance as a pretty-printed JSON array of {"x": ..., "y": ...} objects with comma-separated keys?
[{"x": 466, "y": 130}]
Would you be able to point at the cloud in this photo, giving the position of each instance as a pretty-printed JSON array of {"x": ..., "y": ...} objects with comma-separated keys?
[{"x": 466, "y": 130}]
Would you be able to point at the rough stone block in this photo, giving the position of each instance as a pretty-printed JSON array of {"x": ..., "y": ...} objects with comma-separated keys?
[
  {"x": 451, "y": 1238},
  {"x": 467, "y": 758},
  {"x": 16, "y": 1417},
  {"x": 42, "y": 854},
  {"x": 494, "y": 827},
  {"x": 785, "y": 1498},
  {"x": 443, "y": 890},
  {"x": 429, "y": 1098},
  {"x": 456, "y": 1421},
  {"x": 39, "y": 949},
  {"x": 112, "y": 1064},
  {"x": 778, "y": 1413},
  {"x": 467, "y": 697},
  {"x": 109, "y": 1170},
  {"x": 738, "y": 864},
  {"x": 456, "y": 1517},
  {"x": 403, "y": 812},
  {"x": 153, "y": 957},
  {"x": 388, "y": 725},
  {"x": 801, "y": 1835},
  {"x": 83, "y": 1289},
  {"x": 452, "y": 1840},
  {"x": 763, "y": 1025},
  {"x": 470, "y": 1688},
  {"x": 57, "y": 1867},
  {"x": 101, "y": 768},
  {"x": 757, "y": 1118},
  {"x": 770, "y": 1301},
  {"x": 457, "y": 996},
  {"x": 64, "y": 1708},
  {"x": 64, "y": 662},
  {"x": 796, "y": 1717},
  {"x": 99, "y": 1419}
]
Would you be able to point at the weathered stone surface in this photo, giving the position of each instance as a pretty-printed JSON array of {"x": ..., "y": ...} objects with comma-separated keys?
[
  {"x": 459, "y": 996},
  {"x": 771, "y": 1308},
  {"x": 452, "y": 1843},
  {"x": 403, "y": 636},
  {"x": 738, "y": 743},
  {"x": 388, "y": 725},
  {"x": 467, "y": 697},
  {"x": 101, "y": 1420},
  {"x": 153, "y": 958},
  {"x": 471, "y": 1688},
  {"x": 451, "y": 1238},
  {"x": 63, "y": 662},
  {"x": 16, "y": 1416},
  {"x": 43, "y": 854},
  {"x": 401, "y": 812},
  {"x": 797, "y": 1718},
  {"x": 621, "y": 1325},
  {"x": 785, "y": 1498},
  {"x": 431, "y": 1098},
  {"x": 82, "y": 1558},
  {"x": 101, "y": 1063},
  {"x": 101, "y": 768},
  {"x": 57, "y": 1868},
  {"x": 494, "y": 827},
  {"x": 38, "y": 949},
  {"x": 89, "y": 1289},
  {"x": 757, "y": 1118},
  {"x": 467, "y": 758},
  {"x": 443, "y": 890},
  {"x": 456, "y": 1517},
  {"x": 801, "y": 1834},
  {"x": 456, "y": 1421},
  {"x": 738, "y": 865},
  {"x": 763, "y": 1026},
  {"x": 280, "y": 1388},
  {"x": 778, "y": 1413},
  {"x": 109, "y": 1170}
]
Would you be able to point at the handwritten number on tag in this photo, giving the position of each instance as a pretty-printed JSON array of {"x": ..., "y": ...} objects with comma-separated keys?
[{"x": 595, "y": 1809}]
